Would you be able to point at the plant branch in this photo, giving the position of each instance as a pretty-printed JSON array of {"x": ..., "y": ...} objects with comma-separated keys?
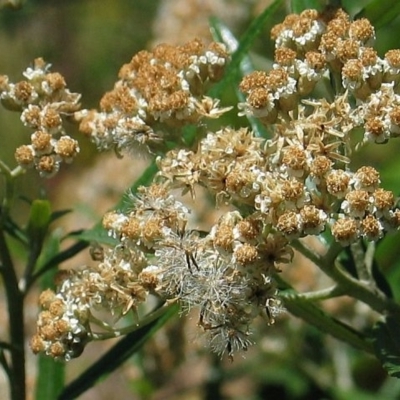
[
  {"x": 323, "y": 294},
  {"x": 4, "y": 364},
  {"x": 16, "y": 321},
  {"x": 359, "y": 261},
  {"x": 56, "y": 260},
  {"x": 350, "y": 286},
  {"x": 303, "y": 308}
]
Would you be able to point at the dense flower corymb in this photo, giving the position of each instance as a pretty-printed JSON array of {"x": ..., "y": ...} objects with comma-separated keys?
[
  {"x": 298, "y": 183},
  {"x": 158, "y": 92}
]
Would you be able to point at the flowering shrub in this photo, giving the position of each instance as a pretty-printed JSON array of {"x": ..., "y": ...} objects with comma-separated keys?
[{"x": 285, "y": 176}]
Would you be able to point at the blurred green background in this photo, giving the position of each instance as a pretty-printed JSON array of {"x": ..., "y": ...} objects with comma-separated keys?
[{"x": 86, "y": 41}]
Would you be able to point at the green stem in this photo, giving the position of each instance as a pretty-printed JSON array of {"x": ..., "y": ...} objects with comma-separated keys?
[
  {"x": 320, "y": 295},
  {"x": 303, "y": 308},
  {"x": 55, "y": 261},
  {"x": 4, "y": 364},
  {"x": 9, "y": 178},
  {"x": 35, "y": 249},
  {"x": 12, "y": 173},
  {"x": 349, "y": 285},
  {"x": 14, "y": 297},
  {"x": 359, "y": 262},
  {"x": 16, "y": 321}
]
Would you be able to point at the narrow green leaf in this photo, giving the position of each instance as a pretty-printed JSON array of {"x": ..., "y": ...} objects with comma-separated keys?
[
  {"x": 14, "y": 230},
  {"x": 51, "y": 374},
  {"x": 117, "y": 355},
  {"x": 57, "y": 259},
  {"x": 246, "y": 41},
  {"x": 297, "y": 6},
  {"x": 50, "y": 381},
  {"x": 189, "y": 134},
  {"x": 39, "y": 219},
  {"x": 145, "y": 179},
  {"x": 5, "y": 345},
  {"x": 325, "y": 323},
  {"x": 97, "y": 234},
  {"x": 58, "y": 214},
  {"x": 223, "y": 34},
  {"x": 315, "y": 316},
  {"x": 38, "y": 225},
  {"x": 380, "y": 12},
  {"x": 386, "y": 340}
]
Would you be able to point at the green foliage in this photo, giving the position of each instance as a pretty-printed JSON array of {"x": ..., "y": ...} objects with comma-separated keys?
[
  {"x": 380, "y": 12},
  {"x": 51, "y": 373},
  {"x": 221, "y": 33},
  {"x": 232, "y": 74},
  {"x": 119, "y": 353}
]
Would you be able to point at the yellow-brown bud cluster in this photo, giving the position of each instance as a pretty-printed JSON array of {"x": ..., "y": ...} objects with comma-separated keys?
[{"x": 44, "y": 101}]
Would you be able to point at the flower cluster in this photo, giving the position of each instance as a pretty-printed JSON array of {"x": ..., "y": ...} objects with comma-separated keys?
[
  {"x": 220, "y": 274},
  {"x": 66, "y": 323},
  {"x": 311, "y": 50},
  {"x": 157, "y": 93},
  {"x": 308, "y": 183},
  {"x": 62, "y": 327},
  {"x": 44, "y": 102},
  {"x": 299, "y": 191},
  {"x": 297, "y": 183},
  {"x": 223, "y": 274}
]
